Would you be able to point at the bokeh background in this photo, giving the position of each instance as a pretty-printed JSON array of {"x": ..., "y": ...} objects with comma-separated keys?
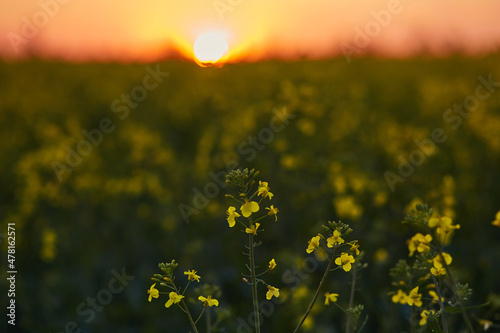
[{"x": 118, "y": 210}]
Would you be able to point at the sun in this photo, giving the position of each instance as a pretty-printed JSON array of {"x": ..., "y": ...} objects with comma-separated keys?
[{"x": 210, "y": 49}]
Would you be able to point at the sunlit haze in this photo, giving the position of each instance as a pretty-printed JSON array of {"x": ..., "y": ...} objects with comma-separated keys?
[{"x": 128, "y": 30}]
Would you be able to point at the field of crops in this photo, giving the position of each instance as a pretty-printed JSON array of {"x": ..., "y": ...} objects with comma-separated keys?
[{"x": 109, "y": 169}]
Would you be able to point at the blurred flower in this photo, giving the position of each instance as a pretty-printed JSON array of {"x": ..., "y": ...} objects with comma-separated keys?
[
  {"x": 414, "y": 298},
  {"x": 436, "y": 271},
  {"x": 153, "y": 292},
  {"x": 424, "y": 314},
  {"x": 345, "y": 260},
  {"x": 249, "y": 207},
  {"x": 174, "y": 298},
  {"x": 192, "y": 275},
  {"x": 434, "y": 295},
  {"x": 264, "y": 190},
  {"x": 273, "y": 211},
  {"x": 313, "y": 244},
  {"x": 208, "y": 301},
  {"x": 335, "y": 239},
  {"x": 330, "y": 298},
  {"x": 497, "y": 220},
  {"x": 400, "y": 297},
  {"x": 253, "y": 229},
  {"x": 444, "y": 225},
  {"x": 272, "y": 264},
  {"x": 420, "y": 243},
  {"x": 486, "y": 324},
  {"x": 231, "y": 215},
  {"x": 272, "y": 291}
]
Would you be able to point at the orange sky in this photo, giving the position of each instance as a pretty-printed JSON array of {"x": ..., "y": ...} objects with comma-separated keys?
[{"x": 256, "y": 29}]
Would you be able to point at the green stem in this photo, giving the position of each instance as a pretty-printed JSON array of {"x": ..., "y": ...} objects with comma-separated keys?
[
  {"x": 413, "y": 325},
  {"x": 254, "y": 285},
  {"x": 441, "y": 305},
  {"x": 200, "y": 315},
  {"x": 455, "y": 292},
  {"x": 317, "y": 292},
  {"x": 351, "y": 301},
  {"x": 193, "y": 325}
]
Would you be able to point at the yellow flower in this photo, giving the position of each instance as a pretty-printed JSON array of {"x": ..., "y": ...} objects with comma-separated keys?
[
  {"x": 486, "y": 324},
  {"x": 335, "y": 239},
  {"x": 192, "y": 275},
  {"x": 330, "y": 298},
  {"x": 497, "y": 220},
  {"x": 272, "y": 264},
  {"x": 264, "y": 190},
  {"x": 273, "y": 211},
  {"x": 400, "y": 297},
  {"x": 174, "y": 298},
  {"x": 436, "y": 271},
  {"x": 437, "y": 261},
  {"x": 271, "y": 291},
  {"x": 345, "y": 260},
  {"x": 434, "y": 295},
  {"x": 249, "y": 207},
  {"x": 313, "y": 244},
  {"x": 153, "y": 292},
  {"x": 444, "y": 225},
  {"x": 420, "y": 243},
  {"x": 424, "y": 314},
  {"x": 231, "y": 215},
  {"x": 354, "y": 248},
  {"x": 414, "y": 297},
  {"x": 253, "y": 229},
  {"x": 208, "y": 301}
]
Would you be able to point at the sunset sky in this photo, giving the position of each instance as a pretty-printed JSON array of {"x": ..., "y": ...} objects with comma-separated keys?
[{"x": 126, "y": 30}]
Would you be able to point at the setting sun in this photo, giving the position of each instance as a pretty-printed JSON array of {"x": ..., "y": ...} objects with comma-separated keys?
[{"x": 210, "y": 48}]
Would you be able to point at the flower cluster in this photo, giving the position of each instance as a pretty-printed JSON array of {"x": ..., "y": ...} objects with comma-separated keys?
[
  {"x": 251, "y": 196},
  {"x": 176, "y": 295},
  {"x": 430, "y": 267}
]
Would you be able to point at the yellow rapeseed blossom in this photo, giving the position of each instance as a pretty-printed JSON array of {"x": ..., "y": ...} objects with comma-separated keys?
[
  {"x": 434, "y": 296},
  {"x": 424, "y": 314},
  {"x": 439, "y": 270},
  {"x": 437, "y": 261},
  {"x": 272, "y": 291},
  {"x": 231, "y": 216},
  {"x": 444, "y": 225},
  {"x": 330, "y": 298},
  {"x": 192, "y": 275},
  {"x": 419, "y": 243},
  {"x": 272, "y": 264},
  {"x": 335, "y": 239},
  {"x": 249, "y": 207},
  {"x": 400, "y": 297},
  {"x": 345, "y": 260},
  {"x": 313, "y": 244},
  {"x": 414, "y": 298},
  {"x": 486, "y": 324},
  {"x": 264, "y": 190},
  {"x": 497, "y": 220},
  {"x": 174, "y": 298},
  {"x": 354, "y": 248},
  {"x": 208, "y": 301},
  {"x": 273, "y": 211},
  {"x": 153, "y": 292},
  {"x": 253, "y": 229}
]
